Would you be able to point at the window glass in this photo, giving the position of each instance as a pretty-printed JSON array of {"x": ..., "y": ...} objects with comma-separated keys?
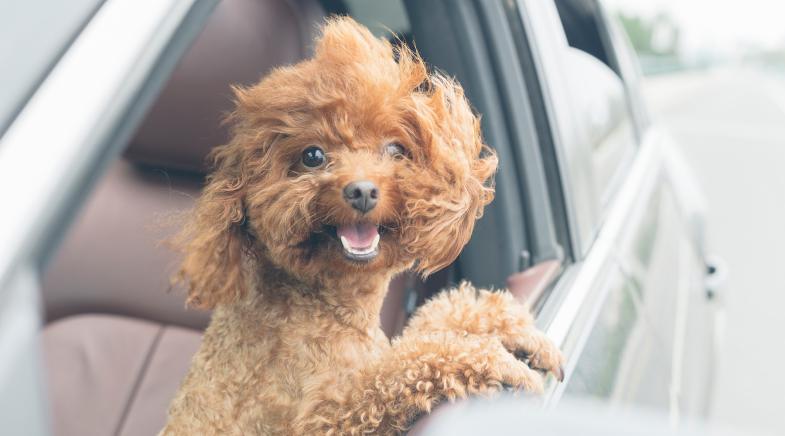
[
  {"x": 581, "y": 28},
  {"x": 600, "y": 102},
  {"x": 597, "y": 93}
]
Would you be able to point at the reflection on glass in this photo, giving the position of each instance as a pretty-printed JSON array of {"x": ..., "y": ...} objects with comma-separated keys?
[{"x": 601, "y": 106}]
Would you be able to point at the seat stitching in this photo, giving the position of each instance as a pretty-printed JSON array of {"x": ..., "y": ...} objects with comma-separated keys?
[{"x": 138, "y": 382}]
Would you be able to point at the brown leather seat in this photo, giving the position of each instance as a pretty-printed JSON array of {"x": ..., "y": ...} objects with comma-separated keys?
[
  {"x": 111, "y": 374},
  {"x": 116, "y": 343}
]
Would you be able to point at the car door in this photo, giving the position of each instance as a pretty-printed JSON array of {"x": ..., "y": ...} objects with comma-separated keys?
[{"x": 630, "y": 308}]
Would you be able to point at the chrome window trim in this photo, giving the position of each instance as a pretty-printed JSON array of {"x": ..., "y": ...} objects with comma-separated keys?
[
  {"x": 580, "y": 278},
  {"x": 69, "y": 126}
]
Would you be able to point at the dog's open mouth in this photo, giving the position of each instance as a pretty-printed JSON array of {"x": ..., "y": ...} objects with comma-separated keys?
[{"x": 359, "y": 241}]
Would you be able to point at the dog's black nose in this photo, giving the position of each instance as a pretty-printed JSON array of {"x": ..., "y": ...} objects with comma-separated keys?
[{"x": 362, "y": 195}]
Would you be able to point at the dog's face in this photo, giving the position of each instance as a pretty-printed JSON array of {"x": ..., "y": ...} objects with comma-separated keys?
[{"x": 354, "y": 162}]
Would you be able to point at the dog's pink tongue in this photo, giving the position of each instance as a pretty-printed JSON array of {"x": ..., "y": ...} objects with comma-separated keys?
[{"x": 360, "y": 235}]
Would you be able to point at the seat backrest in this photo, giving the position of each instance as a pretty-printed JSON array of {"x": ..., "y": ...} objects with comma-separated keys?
[{"x": 112, "y": 259}]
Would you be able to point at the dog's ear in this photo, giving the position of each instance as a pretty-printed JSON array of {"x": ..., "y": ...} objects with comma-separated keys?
[
  {"x": 214, "y": 241},
  {"x": 451, "y": 221},
  {"x": 460, "y": 185}
]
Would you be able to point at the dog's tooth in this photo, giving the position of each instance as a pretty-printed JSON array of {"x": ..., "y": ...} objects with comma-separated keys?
[{"x": 360, "y": 251}]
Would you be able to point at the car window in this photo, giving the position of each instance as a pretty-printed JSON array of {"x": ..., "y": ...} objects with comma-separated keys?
[
  {"x": 598, "y": 94},
  {"x": 599, "y": 98},
  {"x": 628, "y": 64},
  {"x": 26, "y": 52},
  {"x": 382, "y": 17}
]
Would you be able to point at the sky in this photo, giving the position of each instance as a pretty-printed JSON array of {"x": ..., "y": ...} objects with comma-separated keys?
[{"x": 723, "y": 27}]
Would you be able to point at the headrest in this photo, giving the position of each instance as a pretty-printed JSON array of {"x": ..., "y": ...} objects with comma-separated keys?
[{"x": 242, "y": 41}]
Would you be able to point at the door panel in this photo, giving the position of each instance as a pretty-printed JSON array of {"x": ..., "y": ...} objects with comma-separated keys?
[
  {"x": 620, "y": 360},
  {"x": 650, "y": 343},
  {"x": 624, "y": 360},
  {"x": 666, "y": 270}
]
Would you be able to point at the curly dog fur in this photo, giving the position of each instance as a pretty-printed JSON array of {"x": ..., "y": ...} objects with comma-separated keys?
[{"x": 295, "y": 344}]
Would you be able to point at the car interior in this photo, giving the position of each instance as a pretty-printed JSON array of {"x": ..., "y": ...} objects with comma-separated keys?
[{"x": 117, "y": 338}]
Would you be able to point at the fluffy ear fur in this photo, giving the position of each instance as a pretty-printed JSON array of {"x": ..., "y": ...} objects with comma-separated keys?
[
  {"x": 214, "y": 241},
  {"x": 454, "y": 225},
  {"x": 463, "y": 167}
]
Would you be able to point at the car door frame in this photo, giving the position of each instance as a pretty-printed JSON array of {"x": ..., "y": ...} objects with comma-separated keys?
[
  {"x": 576, "y": 301},
  {"x": 58, "y": 145}
]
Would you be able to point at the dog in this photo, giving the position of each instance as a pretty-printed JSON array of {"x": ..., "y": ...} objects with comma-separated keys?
[{"x": 341, "y": 172}]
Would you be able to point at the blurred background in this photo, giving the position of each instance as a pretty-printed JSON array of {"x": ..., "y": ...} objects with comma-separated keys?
[{"x": 715, "y": 76}]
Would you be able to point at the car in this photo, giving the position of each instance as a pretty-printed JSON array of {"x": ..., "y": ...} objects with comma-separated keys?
[{"x": 597, "y": 224}]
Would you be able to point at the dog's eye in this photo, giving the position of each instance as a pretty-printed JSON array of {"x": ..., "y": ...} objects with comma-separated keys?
[
  {"x": 395, "y": 150},
  {"x": 313, "y": 157}
]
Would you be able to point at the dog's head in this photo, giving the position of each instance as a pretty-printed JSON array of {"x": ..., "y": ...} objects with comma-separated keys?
[{"x": 358, "y": 161}]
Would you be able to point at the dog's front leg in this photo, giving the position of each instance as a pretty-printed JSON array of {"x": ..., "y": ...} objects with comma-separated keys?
[
  {"x": 488, "y": 313},
  {"x": 416, "y": 374}
]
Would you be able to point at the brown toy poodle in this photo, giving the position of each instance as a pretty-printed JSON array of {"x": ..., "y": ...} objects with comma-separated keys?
[{"x": 342, "y": 171}]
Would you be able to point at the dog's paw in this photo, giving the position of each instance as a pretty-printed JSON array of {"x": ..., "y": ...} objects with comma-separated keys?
[
  {"x": 504, "y": 317},
  {"x": 533, "y": 347},
  {"x": 510, "y": 372}
]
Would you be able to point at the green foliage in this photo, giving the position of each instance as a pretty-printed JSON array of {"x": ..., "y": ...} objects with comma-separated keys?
[
  {"x": 639, "y": 32},
  {"x": 658, "y": 36}
]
